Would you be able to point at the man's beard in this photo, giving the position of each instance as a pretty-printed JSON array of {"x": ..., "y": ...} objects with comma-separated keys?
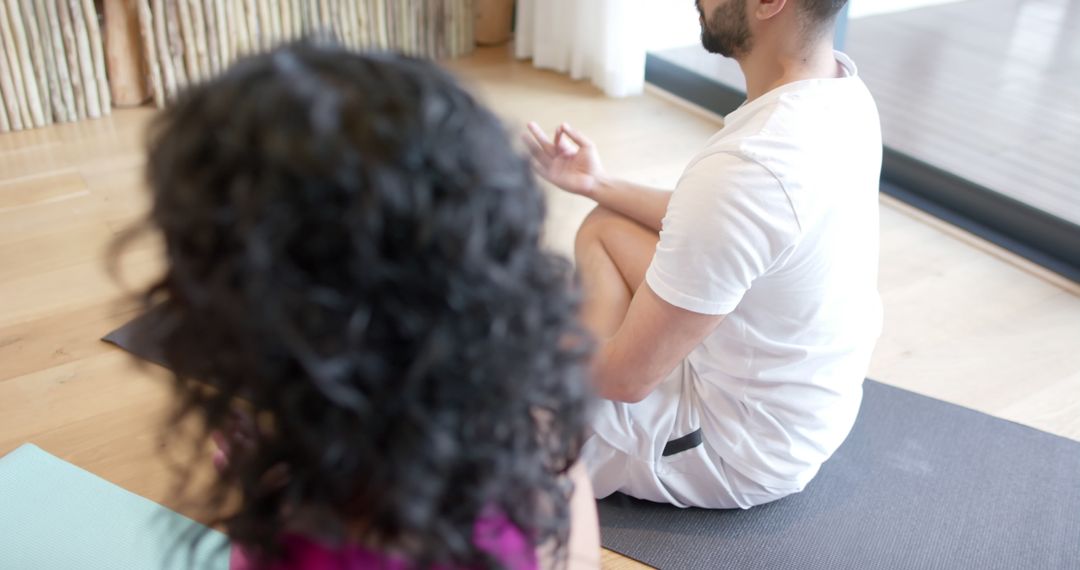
[{"x": 727, "y": 30}]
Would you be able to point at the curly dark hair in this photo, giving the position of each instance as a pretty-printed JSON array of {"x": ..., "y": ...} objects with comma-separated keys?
[{"x": 353, "y": 248}]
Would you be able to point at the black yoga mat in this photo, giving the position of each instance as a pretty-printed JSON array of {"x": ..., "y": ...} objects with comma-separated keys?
[
  {"x": 919, "y": 483},
  {"x": 132, "y": 337}
]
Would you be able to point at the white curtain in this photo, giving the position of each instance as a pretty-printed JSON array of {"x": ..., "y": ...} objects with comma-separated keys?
[{"x": 603, "y": 40}]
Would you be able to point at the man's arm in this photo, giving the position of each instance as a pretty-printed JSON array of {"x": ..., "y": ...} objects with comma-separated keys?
[
  {"x": 652, "y": 340},
  {"x": 643, "y": 204}
]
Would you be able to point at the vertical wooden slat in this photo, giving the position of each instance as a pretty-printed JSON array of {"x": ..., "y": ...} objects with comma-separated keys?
[
  {"x": 358, "y": 26},
  {"x": 5, "y": 126},
  {"x": 298, "y": 17},
  {"x": 198, "y": 25},
  {"x": 285, "y": 14},
  {"x": 340, "y": 22},
  {"x": 324, "y": 16},
  {"x": 164, "y": 49},
  {"x": 190, "y": 45},
  {"x": 71, "y": 56},
  {"x": 26, "y": 68},
  {"x": 255, "y": 35},
  {"x": 213, "y": 56},
  {"x": 222, "y": 32},
  {"x": 37, "y": 57},
  {"x": 97, "y": 54},
  {"x": 86, "y": 59},
  {"x": 451, "y": 25},
  {"x": 7, "y": 82},
  {"x": 56, "y": 97},
  {"x": 309, "y": 10},
  {"x": 14, "y": 70},
  {"x": 470, "y": 27},
  {"x": 176, "y": 44},
  {"x": 153, "y": 63},
  {"x": 266, "y": 26},
  {"x": 392, "y": 30},
  {"x": 275, "y": 20},
  {"x": 63, "y": 74},
  {"x": 363, "y": 33},
  {"x": 238, "y": 29},
  {"x": 385, "y": 37}
]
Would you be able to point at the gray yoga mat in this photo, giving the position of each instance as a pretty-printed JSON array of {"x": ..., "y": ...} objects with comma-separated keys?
[
  {"x": 133, "y": 338},
  {"x": 919, "y": 483}
]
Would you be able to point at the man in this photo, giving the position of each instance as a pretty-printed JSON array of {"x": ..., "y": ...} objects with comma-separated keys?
[{"x": 736, "y": 315}]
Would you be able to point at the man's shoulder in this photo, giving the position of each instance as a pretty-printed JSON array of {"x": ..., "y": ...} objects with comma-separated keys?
[
  {"x": 802, "y": 116},
  {"x": 769, "y": 130},
  {"x": 794, "y": 132}
]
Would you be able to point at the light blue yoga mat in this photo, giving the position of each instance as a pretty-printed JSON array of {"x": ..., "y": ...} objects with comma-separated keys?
[{"x": 56, "y": 516}]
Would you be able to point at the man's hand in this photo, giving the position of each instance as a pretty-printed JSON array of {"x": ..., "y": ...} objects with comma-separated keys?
[{"x": 573, "y": 167}]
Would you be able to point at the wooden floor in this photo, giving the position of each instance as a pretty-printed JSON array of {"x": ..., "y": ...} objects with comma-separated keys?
[
  {"x": 986, "y": 89},
  {"x": 965, "y": 322}
]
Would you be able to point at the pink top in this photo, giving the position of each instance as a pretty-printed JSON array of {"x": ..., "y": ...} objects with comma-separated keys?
[{"x": 497, "y": 536}]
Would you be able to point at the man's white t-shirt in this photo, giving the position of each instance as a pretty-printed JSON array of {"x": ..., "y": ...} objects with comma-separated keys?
[{"x": 775, "y": 224}]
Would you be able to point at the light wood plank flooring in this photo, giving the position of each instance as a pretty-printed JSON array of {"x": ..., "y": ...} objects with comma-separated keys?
[{"x": 965, "y": 322}]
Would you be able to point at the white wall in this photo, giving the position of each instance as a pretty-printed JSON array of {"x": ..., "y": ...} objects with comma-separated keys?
[{"x": 671, "y": 23}]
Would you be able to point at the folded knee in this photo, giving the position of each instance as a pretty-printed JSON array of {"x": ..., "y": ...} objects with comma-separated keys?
[{"x": 593, "y": 226}]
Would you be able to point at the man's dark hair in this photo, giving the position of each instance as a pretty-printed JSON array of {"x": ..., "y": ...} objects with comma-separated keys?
[
  {"x": 354, "y": 247},
  {"x": 822, "y": 11}
]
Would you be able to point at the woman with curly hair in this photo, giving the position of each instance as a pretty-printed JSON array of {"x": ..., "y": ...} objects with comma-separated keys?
[{"x": 353, "y": 252}]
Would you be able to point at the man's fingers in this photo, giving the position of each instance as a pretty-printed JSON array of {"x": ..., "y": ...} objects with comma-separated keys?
[
  {"x": 542, "y": 170},
  {"x": 560, "y": 144},
  {"x": 576, "y": 136},
  {"x": 539, "y": 167},
  {"x": 541, "y": 137},
  {"x": 533, "y": 146},
  {"x": 537, "y": 153}
]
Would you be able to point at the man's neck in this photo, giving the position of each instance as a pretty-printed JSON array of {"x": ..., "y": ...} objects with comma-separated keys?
[{"x": 768, "y": 67}]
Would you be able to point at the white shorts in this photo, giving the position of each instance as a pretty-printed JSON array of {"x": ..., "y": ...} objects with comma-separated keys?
[{"x": 626, "y": 452}]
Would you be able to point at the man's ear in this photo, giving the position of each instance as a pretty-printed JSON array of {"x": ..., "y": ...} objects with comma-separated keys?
[{"x": 768, "y": 9}]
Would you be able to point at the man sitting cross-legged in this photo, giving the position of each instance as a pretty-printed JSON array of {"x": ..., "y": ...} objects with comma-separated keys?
[{"x": 737, "y": 314}]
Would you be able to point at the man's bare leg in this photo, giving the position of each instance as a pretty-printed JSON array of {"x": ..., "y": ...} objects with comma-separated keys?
[{"x": 612, "y": 254}]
